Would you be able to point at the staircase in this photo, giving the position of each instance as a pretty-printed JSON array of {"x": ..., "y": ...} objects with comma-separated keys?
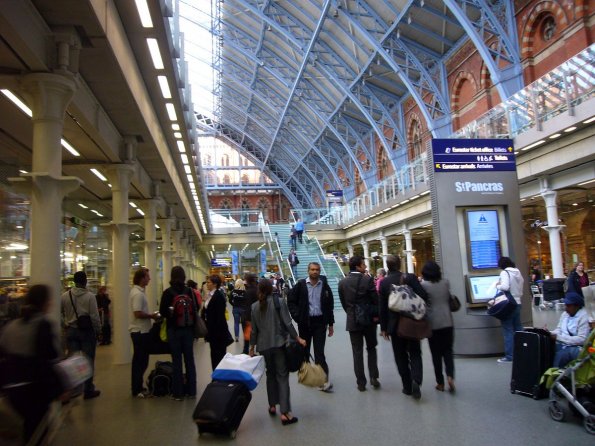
[{"x": 308, "y": 251}]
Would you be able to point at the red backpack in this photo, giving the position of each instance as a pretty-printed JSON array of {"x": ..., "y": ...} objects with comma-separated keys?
[{"x": 184, "y": 312}]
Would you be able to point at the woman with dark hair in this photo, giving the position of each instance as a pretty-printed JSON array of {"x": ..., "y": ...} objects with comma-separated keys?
[
  {"x": 577, "y": 279},
  {"x": 250, "y": 296},
  {"x": 511, "y": 280},
  {"x": 440, "y": 318},
  {"x": 28, "y": 350},
  {"x": 180, "y": 336},
  {"x": 270, "y": 328},
  {"x": 219, "y": 336}
]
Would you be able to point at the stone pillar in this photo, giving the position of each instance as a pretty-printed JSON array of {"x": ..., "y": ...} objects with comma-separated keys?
[
  {"x": 150, "y": 208},
  {"x": 350, "y": 249},
  {"x": 409, "y": 251},
  {"x": 553, "y": 229},
  {"x": 48, "y": 96},
  {"x": 176, "y": 242},
  {"x": 166, "y": 250},
  {"x": 364, "y": 244},
  {"x": 120, "y": 176},
  {"x": 384, "y": 245}
]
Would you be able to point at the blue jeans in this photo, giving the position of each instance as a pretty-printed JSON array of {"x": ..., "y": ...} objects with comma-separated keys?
[
  {"x": 509, "y": 325},
  {"x": 565, "y": 353},
  {"x": 181, "y": 343},
  {"x": 83, "y": 341},
  {"x": 237, "y": 315}
]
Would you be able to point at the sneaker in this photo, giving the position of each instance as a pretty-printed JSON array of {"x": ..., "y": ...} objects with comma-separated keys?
[
  {"x": 177, "y": 398},
  {"x": 415, "y": 390},
  {"x": 143, "y": 395},
  {"x": 326, "y": 387},
  {"x": 375, "y": 383},
  {"x": 92, "y": 394},
  {"x": 361, "y": 387},
  {"x": 503, "y": 360}
]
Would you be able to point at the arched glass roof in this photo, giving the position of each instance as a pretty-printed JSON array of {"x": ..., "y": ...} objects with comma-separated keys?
[{"x": 312, "y": 91}]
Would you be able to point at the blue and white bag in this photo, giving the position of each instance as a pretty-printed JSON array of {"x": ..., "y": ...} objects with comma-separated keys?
[{"x": 240, "y": 368}]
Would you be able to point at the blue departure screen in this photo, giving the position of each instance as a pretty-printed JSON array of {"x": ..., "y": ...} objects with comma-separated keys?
[{"x": 484, "y": 238}]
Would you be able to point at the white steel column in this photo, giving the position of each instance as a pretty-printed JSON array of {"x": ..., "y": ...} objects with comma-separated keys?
[
  {"x": 150, "y": 209},
  {"x": 350, "y": 249},
  {"x": 177, "y": 256},
  {"x": 166, "y": 250},
  {"x": 120, "y": 176},
  {"x": 364, "y": 244},
  {"x": 384, "y": 245},
  {"x": 409, "y": 251},
  {"x": 553, "y": 229},
  {"x": 48, "y": 96}
]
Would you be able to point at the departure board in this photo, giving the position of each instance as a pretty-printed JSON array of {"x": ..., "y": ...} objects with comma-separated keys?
[{"x": 484, "y": 238}]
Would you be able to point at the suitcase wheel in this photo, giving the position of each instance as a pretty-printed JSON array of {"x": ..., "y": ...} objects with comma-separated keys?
[
  {"x": 536, "y": 394},
  {"x": 557, "y": 412}
]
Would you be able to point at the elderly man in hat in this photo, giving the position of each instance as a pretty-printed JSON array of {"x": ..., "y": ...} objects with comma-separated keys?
[{"x": 572, "y": 330}]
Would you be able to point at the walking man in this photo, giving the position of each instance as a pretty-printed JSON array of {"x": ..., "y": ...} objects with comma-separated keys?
[
  {"x": 79, "y": 304},
  {"x": 293, "y": 262},
  {"x": 355, "y": 290},
  {"x": 310, "y": 303},
  {"x": 299, "y": 229},
  {"x": 139, "y": 327}
]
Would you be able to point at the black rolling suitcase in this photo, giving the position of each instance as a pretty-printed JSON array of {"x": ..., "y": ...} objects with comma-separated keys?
[
  {"x": 553, "y": 289},
  {"x": 533, "y": 355},
  {"x": 221, "y": 408}
]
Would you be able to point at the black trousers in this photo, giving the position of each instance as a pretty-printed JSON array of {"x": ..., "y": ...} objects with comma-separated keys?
[
  {"x": 408, "y": 358},
  {"x": 357, "y": 347},
  {"x": 441, "y": 348},
  {"x": 140, "y": 360},
  {"x": 315, "y": 333}
]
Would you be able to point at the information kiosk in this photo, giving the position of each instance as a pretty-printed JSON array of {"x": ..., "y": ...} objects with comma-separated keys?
[{"x": 477, "y": 219}]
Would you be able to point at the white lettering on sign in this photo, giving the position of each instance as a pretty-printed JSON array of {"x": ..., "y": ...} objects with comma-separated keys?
[{"x": 468, "y": 186}]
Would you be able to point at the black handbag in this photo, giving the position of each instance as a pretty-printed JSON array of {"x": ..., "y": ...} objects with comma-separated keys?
[
  {"x": 414, "y": 329},
  {"x": 82, "y": 322},
  {"x": 295, "y": 355},
  {"x": 454, "y": 303}
]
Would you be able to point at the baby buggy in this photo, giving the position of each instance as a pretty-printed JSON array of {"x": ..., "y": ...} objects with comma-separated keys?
[{"x": 576, "y": 384}]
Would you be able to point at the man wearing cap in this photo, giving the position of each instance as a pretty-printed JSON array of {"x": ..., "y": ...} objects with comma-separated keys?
[
  {"x": 572, "y": 330},
  {"x": 77, "y": 302}
]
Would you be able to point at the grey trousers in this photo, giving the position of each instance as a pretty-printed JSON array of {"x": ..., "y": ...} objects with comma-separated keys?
[
  {"x": 277, "y": 378},
  {"x": 357, "y": 346}
]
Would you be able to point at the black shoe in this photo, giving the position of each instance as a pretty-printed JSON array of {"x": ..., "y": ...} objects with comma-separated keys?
[
  {"x": 415, "y": 390},
  {"x": 92, "y": 394},
  {"x": 375, "y": 383},
  {"x": 361, "y": 387},
  {"x": 406, "y": 392}
]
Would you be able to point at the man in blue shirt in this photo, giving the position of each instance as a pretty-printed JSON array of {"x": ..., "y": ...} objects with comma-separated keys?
[
  {"x": 299, "y": 228},
  {"x": 311, "y": 304}
]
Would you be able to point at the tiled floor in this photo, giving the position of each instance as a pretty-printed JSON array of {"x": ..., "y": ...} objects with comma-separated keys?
[{"x": 481, "y": 412}]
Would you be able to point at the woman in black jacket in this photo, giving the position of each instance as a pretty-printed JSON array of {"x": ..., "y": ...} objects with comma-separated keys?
[
  {"x": 577, "y": 279},
  {"x": 219, "y": 336},
  {"x": 250, "y": 296}
]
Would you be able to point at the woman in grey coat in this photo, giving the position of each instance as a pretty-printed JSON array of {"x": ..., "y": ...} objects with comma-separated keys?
[
  {"x": 440, "y": 317},
  {"x": 270, "y": 327}
]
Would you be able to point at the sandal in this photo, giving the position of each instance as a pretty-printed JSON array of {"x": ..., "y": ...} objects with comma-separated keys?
[
  {"x": 272, "y": 410},
  {"x": 286, "y": 421}
]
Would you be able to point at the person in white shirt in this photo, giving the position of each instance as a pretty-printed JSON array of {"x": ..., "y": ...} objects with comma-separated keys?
[
  {"x": 139, "y": 327},
  {"x": 572, "y": 330},
  {"x": 511, "y": 280}
]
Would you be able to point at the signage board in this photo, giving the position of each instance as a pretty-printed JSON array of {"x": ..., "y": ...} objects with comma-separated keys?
[{"x": 473, "y": 155}]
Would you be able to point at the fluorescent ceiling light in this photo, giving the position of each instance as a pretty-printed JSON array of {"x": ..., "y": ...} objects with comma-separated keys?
[
  {"x": 192, "y": 186},
  {"x": 570, "y": 129},
  {"x": 140, "y": 211},
  {"x": 96, "y": 213},
  {"x": 155, "y": 54},
  {"x": 16, "y": 101},
  {"x": 555, "y": 135},
  {"x": 171, "y": 111},
  {"x": 133, "y": 204},
  {"x": 99, "y": 175},
  {"x": 165, "y": 91},
  {"x": 589, "y": 121},
  {"x": 535, "y": 144},
  {"x": 187, "y": 169},
  {"x": 175, "y": 127},
  {"x": 184, "y": 158},
  {"x": 143, "y": 12},
  {"x": 157, "y": 227},
  {"x": 177, "y": 135},
  {"x": 69, "y": 147},
  {"x": 23, "y": 171},
  {"x": 189, "y": 178},
  {"x": 83, "y": 206},
  {"x": 181, "y": 146},
  {"x": 586, "y": 182}
]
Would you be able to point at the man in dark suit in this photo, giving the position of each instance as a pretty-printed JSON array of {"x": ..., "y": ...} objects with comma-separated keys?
[
  {"x": 355, "y": 289},
  {"x": 407, "y": 351},
  {"x": 310, "y": 303}
]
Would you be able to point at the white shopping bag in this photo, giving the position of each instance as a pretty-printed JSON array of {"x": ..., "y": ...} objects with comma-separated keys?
[
  {"x": 240, "y": 368},
  {"x": 73, "y": 371}
]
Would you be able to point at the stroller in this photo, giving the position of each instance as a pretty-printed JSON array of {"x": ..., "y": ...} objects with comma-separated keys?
[{"x": 575, "y": 383}]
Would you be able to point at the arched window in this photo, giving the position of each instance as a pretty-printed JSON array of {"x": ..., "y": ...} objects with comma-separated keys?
[
  {"x": 263, "y": 206},
  {"x": 226, "y": 203},
  {"x": 245, "y": 179},
  {"x": 225, "y": 160},
  {"x": 415, "y": 141},
  {"x": 548, "y": 28},
  {"x": 226, "y": 179}
]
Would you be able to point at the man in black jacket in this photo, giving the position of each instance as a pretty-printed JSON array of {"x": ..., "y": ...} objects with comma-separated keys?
[
  {"x": 310, "y": 303},
  {"x": 407, "y": 351},
  {"x": 357, "y": 290}
]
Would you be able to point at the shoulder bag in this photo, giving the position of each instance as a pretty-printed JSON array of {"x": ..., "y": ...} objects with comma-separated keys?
[
  {"x": 454, "y": 303},
  {"x": 82, "y": 322},
  {"x": 414, "y": 329},
  {"x": 294, "y": 352},
  {"x": 402, "y": 299},
  {"x": 311, "y": 374},
  {"x": 503, "y": 304}
]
